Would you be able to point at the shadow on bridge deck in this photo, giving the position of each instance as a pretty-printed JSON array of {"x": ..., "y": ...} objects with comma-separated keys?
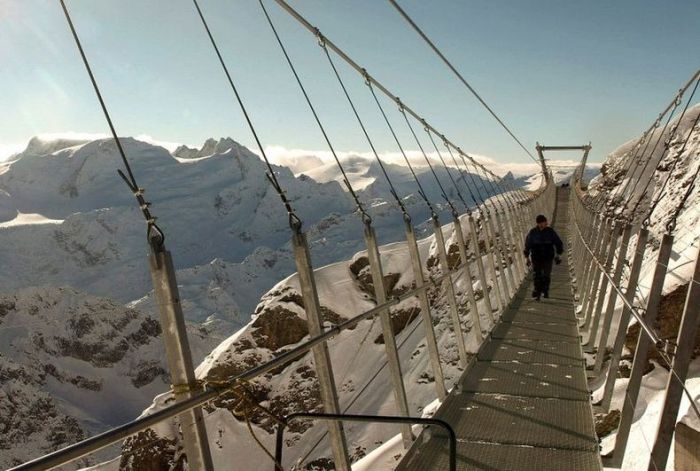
[{"x": 524, "y": 402}]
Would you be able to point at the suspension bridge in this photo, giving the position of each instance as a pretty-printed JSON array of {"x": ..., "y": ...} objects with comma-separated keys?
[{"x": 523, "y": 399}]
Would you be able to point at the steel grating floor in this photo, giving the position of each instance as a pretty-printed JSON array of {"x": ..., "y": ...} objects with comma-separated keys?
[
  {"x": 524, "y": 403},
  {"x": 532, "y": 351}
]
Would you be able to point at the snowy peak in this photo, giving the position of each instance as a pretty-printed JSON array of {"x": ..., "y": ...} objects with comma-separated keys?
[
  {"x": 39, "y": 146},
  {"x": 210, "y": 147}
]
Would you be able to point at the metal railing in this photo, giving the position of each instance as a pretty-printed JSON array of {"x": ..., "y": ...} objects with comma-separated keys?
[
  {"x": 507, "y": 214},
  {"x": 601, "y": 261}
]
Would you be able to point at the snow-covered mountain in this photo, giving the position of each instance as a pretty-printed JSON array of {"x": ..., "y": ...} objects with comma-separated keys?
[
  {"x": 70, "y": 228},
  {"x": 70, "y": 220},
  {"x": 357, "y": 355},
  {"x": 72, "y": 365},
  {"x": 67, "y": 220}
]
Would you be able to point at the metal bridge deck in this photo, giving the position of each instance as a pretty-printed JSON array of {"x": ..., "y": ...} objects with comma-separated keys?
[{"x": 524, "y": 403}]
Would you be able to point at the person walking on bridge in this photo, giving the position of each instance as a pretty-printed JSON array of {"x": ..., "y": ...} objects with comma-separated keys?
[{"x": 542, "y": 247}]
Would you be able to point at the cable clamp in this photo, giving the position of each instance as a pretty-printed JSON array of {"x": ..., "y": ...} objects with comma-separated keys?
[
  {"x": 400, "y": 103},
  {"x": 321, "y": 39},
  {"x": 294, "y": 222},
  {"x": 679, "y": 98},
  {"x": 145, "y": 206},
  {"x": 671, "y": 225},
  {"x": 366, "y": 76},
  {"x": 139, "y": 192},
  {"x": 181, "y": 389}
]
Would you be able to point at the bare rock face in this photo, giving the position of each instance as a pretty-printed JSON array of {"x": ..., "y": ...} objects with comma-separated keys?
[
  {"x": 666, "y": 324},
  {"x": 85, "y": 364},
  {"x": 146, "y": 451}
]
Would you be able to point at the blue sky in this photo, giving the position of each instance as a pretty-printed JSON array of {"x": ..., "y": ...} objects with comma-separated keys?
[{"x": 557, "y": 71}]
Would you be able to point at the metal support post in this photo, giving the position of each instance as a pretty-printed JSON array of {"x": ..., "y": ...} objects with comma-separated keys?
[
  {"x": 603, "y": 289},
  {"x": 588, "y": 268},
  {"x": 476, "y": 327},
  {"x": 594, "y": 278},
  {"x": 612, "y": 298},
  {"x": 624, "y": 318},
  {"x": 480, "y": 267},
  {"x": 640, "y": 353},
  {"x": 322, "y": 359},
  {"x": 520, "y": 230},
  {"x": 505, "y": 245},
  {"x": 681, "y": 360},
  {"x": 177, "y": 350},
  {"x": 392, "y": 353},
  {"x": 450, "y": 291},
  {"x": 511, "y": 224},
  {"x": 491, "y": 260},
  {"x": 433, "y": 352}
]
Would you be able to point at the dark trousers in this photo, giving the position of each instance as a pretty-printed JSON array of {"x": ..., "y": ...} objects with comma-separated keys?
[{"x": 542, "y": 270}]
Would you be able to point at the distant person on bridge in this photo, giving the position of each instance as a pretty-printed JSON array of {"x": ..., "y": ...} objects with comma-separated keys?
[{"x": 540, "y": 246}]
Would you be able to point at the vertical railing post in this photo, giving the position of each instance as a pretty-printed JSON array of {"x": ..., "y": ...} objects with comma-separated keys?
[
  {"x": 504, "y": 243},
  {"x": 599, "y": 231},
  {"x": 603, "y": 288},
  {"x": 450, "y": 291},
  {"x": 476, "y": 328},
  {"x": 392, "y": 353},
  {"x": 433, "y": 351},
  {"x": 632, "y": 281},
  {"x": 641, "y": 352},
  {"x": 512, "y": 224},
  {"x": 679, "y": 365},
  {"x": 177, "y": 350},
  {"x": 612, "y": 298},
  {"x": 595, "y": 275},
  {"x": 490, "y": 243},
  {"x": 480, "y": 267},
  {"x": 322, "y": 359}
]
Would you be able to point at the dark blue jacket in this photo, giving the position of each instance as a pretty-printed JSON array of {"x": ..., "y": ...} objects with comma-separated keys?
[{"x": 540, "y": 244}]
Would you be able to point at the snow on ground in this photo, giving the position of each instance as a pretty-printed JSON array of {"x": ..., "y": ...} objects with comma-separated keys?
[{"x": 29, "y": 219}]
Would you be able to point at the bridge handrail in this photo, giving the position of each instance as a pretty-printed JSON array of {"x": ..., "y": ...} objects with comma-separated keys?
[
  {"x": 109, "y": 437},
  {"x": 452, "y": 454}
]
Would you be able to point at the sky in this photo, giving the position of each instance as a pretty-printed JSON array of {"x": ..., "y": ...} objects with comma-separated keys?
[{"x": 560, "y": 72}]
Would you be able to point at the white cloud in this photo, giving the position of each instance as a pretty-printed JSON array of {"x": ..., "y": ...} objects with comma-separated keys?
[
  {"x": 7, "y": 149},
  {"x": 71, "y": 136},
  {"x": 301, "y": 160},
  {"x": 171, "y": 146}
]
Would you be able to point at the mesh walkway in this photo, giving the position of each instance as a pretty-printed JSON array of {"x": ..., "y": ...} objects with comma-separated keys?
[{"x": 524, "y": 403}]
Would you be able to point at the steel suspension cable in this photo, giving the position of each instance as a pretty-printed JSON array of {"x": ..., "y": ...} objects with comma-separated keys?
[
  {"x": 651, "y": 153},
  {"x": 359, "y": 69},
  {"x": 672, "y": 223},
  {"x": 675, "y": 161},
  {"x": 476, "y": 179},
  {"x": 629, "y": 158},
  {"x": 447, "y": 169},
  {"x": 294, "y": 221},
  {"x": 155, "y": 235},
  {"x": 401, "y": 149},
  {"x": 632, "y": 154},
  {"x": 459, "y": 76},
  {"x": 392, "y": 189},
  {"x": 461, "y": 173},
  {"x": 365, "y": 216},
  {"x": 427, "y": 160},
  {"x": 650, "y": 132}
]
